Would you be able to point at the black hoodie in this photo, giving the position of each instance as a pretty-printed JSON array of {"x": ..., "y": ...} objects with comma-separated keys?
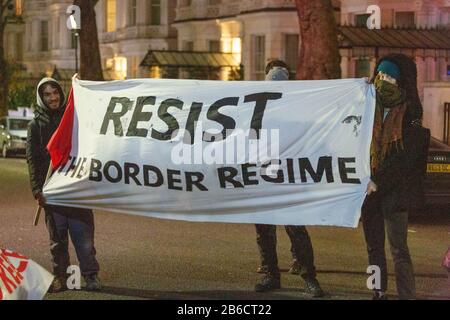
[{"x": 40, "y": 130}]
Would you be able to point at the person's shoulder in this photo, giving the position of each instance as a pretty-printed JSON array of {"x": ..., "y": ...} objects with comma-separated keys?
[{"x": 33, "y": 125}]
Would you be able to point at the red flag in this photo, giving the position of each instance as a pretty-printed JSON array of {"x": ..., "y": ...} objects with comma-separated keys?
[{"x": 60, "y": 144}]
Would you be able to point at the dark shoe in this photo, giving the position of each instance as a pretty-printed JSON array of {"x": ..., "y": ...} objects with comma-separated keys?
[
  {"x": 268, "y": 283},
  {"x": 262, "y": 269},
  {"x": 93, "y": 283},
  {"x": 59, "y": 284},
  {"x": 379, "y": 295},
  {"x": 313, "y": 288},
  {"x": 295, "y": 267}
]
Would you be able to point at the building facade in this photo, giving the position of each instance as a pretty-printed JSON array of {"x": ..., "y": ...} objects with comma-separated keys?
[
  {"x": 419, "y": 29},
  {"x": 138, "y": 36},
  {"x": 254, "y": 31},
  {"x": 127, "y": 30}
]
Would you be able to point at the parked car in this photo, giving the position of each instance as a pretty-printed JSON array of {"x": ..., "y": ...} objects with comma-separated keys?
[
  {"x": 437, "y": 178},
  {"x": 13, "y": 135}
]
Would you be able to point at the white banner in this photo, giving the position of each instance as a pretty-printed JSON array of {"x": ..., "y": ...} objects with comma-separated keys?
[
  {"x": 276, "y": 152},
  {"x": 22, "y": 278}
]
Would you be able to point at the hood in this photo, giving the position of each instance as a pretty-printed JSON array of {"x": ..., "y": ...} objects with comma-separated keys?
[
  {"x": 407, "y": 82},
  {"x": 42, "y": 111},
  {"x": 39, "y": 101}
]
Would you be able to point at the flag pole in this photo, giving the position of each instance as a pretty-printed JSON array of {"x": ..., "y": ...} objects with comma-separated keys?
[{"x": 39, "y": 208}]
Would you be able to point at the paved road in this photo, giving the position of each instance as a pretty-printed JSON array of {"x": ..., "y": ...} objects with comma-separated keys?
[{"x": 144, "y": 258}]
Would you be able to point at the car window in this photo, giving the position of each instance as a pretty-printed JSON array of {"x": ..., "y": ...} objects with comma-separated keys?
[{"x": 18, "y": 124}]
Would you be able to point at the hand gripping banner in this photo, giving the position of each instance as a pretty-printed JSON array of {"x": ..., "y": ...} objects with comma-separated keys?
[{"x": 284, "y": 152}]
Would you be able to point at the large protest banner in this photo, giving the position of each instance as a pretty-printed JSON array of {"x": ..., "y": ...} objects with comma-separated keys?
[
  {"x": 284, "y": 152},
  {"x": 21, "y": 278}
]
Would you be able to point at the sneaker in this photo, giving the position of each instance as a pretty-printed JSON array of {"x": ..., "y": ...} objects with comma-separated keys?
[
  {"x": 58, "y": 285},
  {"x": 295, "y": 267},
  {"x": 268, "y": 283},
  {"x": 379, "y": 295},
  {"x": 93, "y": 283},
  {"x": 262, "y": 269},
  {"x": 313, "y": 288}
]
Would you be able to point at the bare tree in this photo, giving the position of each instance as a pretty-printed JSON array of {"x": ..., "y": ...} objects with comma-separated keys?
[
  {"x": 5, "y": 8},
  {"x": 90, "y": 61},
  {"x": 319, "y": 52}
]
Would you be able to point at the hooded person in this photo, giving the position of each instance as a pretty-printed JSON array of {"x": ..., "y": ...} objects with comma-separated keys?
[
  {"x": 397, "y": 152},
  {"x": 59, "y": 220},
  {"x": 46, "y": 121},
  {"x": 266, "y": 238}
]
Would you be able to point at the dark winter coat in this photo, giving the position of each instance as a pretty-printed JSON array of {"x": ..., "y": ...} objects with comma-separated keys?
[
  {"x": 402, "y": 171},
  {"x": 40, "y": 130}
]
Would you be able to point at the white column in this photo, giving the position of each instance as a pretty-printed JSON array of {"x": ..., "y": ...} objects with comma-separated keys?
[{"x": 274, "y": 46}]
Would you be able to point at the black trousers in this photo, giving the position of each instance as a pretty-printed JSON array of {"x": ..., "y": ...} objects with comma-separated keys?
[
  {"x": 79, "y": 223},
  {"x": 380, "y": 217},
  {"x": 301, "y": 247}
]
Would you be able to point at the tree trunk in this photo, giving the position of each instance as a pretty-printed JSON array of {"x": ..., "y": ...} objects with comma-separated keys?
[
  {"x": 319, "y": 53},
  {"x": 90, "y": 61},
  {"x": 3, "y": 73}
]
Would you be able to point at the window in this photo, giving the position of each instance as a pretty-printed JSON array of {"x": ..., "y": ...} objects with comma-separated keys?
[
  {"x": 110, "y": 15},
  {"x": 134, "y": 67},
  {"x": 18, "y": 124},
  {"x": 132, "y": 13},
  {"x": 291, "y": 52},
  {"x": 405, "y": 19},
  {"x": 259, "y": 57},
  {"x": 19, "y": 46},
  {"x": 188, "y": 45},
  {"x": 19, "y": 7},
  {"x": 214, "y": 45},
  {"x": 154, "y": 12},
  {"x": 56, "y": 36},
  {"x": 361, "y": 20},
  {"x": 362, "y": 68},
  {"x": 30, "y": 37},
  {"x": 120, "y": 67},
  {"x": 448, "y": 70},
  {"x": 44, "y": 36}
]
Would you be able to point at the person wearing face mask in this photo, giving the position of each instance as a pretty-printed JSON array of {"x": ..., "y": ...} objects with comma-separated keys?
[
  {"x": 397, "y": 158},
  {"x": 301, "y": 247},
  {"x": 60, "y": 221}
]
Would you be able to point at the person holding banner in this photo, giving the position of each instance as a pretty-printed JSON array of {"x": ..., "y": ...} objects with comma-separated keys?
[
  {"x": 266, "y": 238},
  {"x": 396, "y": 152},
  {"x": 59, "y": 220}
]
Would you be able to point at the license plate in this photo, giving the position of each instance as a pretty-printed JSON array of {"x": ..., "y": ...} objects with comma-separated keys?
[{"x": 438, "y": 167}]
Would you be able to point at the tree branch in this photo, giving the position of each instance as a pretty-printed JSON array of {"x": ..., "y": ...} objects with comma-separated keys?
[
  {"x": 3, "y": 12},
  {"x": 5, "y": 5}
]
